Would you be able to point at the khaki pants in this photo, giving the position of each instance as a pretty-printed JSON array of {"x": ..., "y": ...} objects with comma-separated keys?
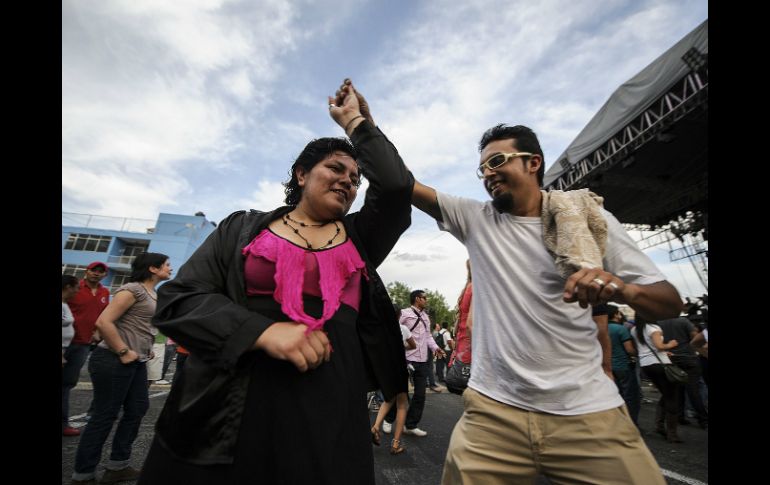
[{"x": 495, "y": 443}]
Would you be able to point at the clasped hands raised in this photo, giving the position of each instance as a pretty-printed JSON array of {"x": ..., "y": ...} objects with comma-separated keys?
[{"x": 347, "y": 105}]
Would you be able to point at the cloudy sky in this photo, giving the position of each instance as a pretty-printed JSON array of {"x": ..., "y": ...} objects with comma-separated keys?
[{"x": 202, "y": 105}]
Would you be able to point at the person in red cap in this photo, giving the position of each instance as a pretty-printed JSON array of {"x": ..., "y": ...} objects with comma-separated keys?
[{"x": 86, "y": 306}]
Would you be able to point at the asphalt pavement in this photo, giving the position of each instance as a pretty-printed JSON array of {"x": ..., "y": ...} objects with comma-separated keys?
[{"x": 422, "y": 463}]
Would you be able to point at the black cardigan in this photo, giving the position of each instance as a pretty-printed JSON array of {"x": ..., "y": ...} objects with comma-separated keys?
[{"x": 203, "y": 308}]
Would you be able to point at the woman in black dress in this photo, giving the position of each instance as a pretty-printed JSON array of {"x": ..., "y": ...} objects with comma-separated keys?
[{"x": 288, "y": 324}]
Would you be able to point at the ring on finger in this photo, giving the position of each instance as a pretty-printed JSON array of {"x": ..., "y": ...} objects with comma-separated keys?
[
  {"x": 599, "y": 281},
  {"x": 613, "y": 285}
]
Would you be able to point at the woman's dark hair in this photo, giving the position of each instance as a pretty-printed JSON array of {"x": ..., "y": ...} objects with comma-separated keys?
[
  {"x": 639, "y": 323},
  {"x": 68, "y": 280},
  {"x": 140, "y": 268},
  {"x": 314, "y": 152}
]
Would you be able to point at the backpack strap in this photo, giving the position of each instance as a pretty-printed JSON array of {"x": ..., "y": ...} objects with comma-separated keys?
[{"x": 419, "y": 320}]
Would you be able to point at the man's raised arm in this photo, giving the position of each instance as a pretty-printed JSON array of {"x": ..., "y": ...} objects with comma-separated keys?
[{"x": 424, "y": 198}]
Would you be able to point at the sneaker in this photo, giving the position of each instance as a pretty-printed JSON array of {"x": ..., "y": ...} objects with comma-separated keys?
[
  {"x": 387, "y": 427},
  {"x": 163, "y": 382},
  {"x": 112, "y": 476},
  {"x": 435, "y": 389},
  {"x": 70, "y": 431},
  {"x": 415, "y": 432}
]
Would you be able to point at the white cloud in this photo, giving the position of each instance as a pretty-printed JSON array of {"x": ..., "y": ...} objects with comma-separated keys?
[
  {"x": 125, "y": 191},
  {"x": 267, "y": 197},
  {"x": 141, "y": 86},
  {"x": 217, "y": 97},
  {"x": 427, "y": 258}
]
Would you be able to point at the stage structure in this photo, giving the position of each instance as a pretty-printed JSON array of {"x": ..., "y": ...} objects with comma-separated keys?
[{"x": 646, "y": 153}]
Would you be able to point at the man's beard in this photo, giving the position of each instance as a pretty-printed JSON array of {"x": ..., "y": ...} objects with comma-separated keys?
[{"x": 503, "y": 203}]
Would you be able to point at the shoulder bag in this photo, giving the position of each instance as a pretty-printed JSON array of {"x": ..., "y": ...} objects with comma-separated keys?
[{"x": 674, "y": 373}]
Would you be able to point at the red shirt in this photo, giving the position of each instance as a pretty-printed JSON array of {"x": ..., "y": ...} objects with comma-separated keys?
[
  {"x": 86, "y": 308},
  {"x": 463, "y": 339}
]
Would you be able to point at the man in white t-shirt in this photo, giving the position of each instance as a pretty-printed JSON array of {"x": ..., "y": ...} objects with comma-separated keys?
[{"x": 538, "y": 400}]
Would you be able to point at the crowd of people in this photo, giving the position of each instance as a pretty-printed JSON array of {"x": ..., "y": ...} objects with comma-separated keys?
[{"x": 285, "y": 325}]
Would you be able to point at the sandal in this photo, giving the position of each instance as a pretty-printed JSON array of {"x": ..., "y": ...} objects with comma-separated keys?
[
  {"x": 396, "y": 448},
  {"x": 375, "y": 436}
]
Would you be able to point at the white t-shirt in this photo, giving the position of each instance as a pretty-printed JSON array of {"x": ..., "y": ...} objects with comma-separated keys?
[
  {"x": 405, "y": 334},
  {"x": 67, "y": 330},
  {"x": 530, "y": 348},
  {"x": 645, "y": 353},
  {"x": 447, "y": 338}
]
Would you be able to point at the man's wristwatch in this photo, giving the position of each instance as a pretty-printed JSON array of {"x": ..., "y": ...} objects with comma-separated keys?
[{"x": 122, "y": 352}]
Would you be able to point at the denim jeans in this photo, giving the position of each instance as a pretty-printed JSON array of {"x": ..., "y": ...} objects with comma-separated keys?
[
  {"x": 75, "y": 355},
  {"x": 441, "y": 366},
  {"x": 430, "y": 372},
  {"x": 629, "y": 389},
  {"x": 417, "y": 400},
  {"x": 168, "y": 356},
  {"x": 414, "y": 415},
  {"x": 116, "y": 386},
  {"x": 691, "y": 365}
]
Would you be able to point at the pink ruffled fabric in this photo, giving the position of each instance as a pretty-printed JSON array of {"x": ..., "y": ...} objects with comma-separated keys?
[{"x": 335, "y": 266}]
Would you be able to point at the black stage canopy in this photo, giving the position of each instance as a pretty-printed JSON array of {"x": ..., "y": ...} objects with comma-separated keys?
[{"x": 646, "y": 150}]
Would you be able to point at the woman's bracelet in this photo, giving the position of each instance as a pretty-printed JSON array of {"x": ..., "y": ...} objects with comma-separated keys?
[{"x": 351, "y": 121}]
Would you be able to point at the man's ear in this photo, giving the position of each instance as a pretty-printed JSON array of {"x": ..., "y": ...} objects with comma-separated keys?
[{"x": 534, "y": 163}]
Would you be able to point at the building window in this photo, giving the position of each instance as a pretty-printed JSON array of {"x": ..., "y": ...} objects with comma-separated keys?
[
  {"x": 118, "y": 280},
  {"x": 75, "y": 270},
  {"x": 88, "y": 242}
]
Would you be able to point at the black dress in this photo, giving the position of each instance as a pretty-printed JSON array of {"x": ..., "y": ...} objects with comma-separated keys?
[{"x": 298, "y": 428}]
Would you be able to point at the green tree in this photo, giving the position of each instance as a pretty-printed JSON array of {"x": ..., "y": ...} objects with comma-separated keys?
[
  {"x": 399, "y": 293},
  {"x": 438, "y": 310}
]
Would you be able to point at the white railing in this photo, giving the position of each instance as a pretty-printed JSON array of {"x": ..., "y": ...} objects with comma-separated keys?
[
  {"x": 121, "y": 259},
  {"x": 127, "y": 224}
]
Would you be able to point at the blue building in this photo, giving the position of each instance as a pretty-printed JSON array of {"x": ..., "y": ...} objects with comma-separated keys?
[{"x": 116, "y": 241}]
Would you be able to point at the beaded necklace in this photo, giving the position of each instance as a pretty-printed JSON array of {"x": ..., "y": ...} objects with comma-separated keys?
[
  {"x": 306, "y": 225},
  {"x": 286, "y": 220}
]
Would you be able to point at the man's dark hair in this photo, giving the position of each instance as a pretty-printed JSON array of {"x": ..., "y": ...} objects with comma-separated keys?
[
  {"x": 314, "y": 152},
  {"x": 68, "y": 280},
  {"x": 525, "y": 140},
  {"x": 413, "y": 295},
  {"x": 612, "y": 310},
  {"x": 140, "y": 268}
]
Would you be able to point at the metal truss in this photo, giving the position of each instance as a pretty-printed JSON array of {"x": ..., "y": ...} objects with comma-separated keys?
[
  {"x": 687, "y": 95},
  {"x": 693, "y": 245}
]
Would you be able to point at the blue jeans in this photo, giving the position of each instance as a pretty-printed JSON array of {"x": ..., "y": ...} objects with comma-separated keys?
[
  {"x": 414, "y": 415},
  {"x": 417, "y": 400},
  {"x": 75, "y": 355},
  {"x": 430, "y": 373},
  {"x": 168, "y": 356},
  {"x": 691, "y": 365},
  {"x": 441, "y": 364},
  {"x": 116, "y": 386},
  {"x": 629, "y": 389}
]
